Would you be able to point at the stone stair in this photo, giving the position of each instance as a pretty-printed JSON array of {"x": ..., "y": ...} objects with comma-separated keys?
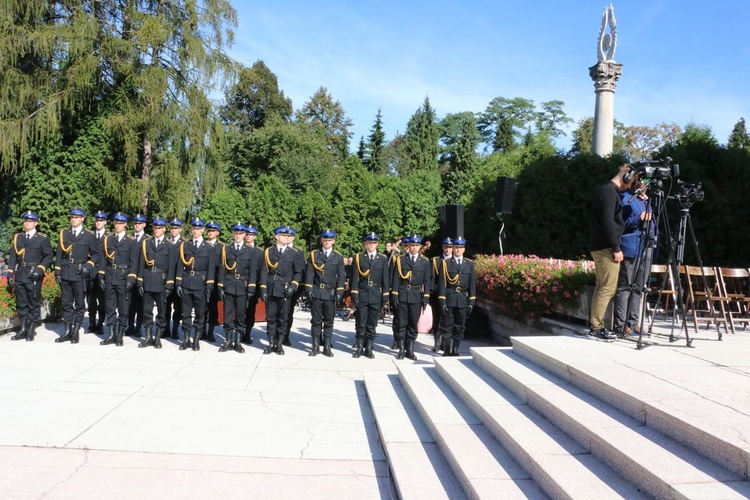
[{"x": 522, "y": 423}]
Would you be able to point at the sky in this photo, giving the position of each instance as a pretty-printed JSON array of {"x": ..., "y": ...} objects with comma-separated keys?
[{"x": 683, "y": 61}]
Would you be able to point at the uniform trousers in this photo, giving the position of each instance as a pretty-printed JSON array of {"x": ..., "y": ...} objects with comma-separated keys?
[
  {"x": 73, "y": 305},
  {"x": 234, "y": 312},
  {"x": 118, "y": 303},
  {"x": 28, "y": 307},
  {"x": 193, "y": 302},
  {"x": 408, "y": 317},
  {"x": 277, "y": 316},
  {"x": 159, "y": 300},
  {"x": 453, "y": 324},
  {"x": 323, "y": 312},
  {"x": 367, "y": 320}
]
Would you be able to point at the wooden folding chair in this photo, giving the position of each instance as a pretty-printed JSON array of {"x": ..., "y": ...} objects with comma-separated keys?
[
  {"x": 661, "y": 292},
  {"x": 706, "y": 301},
  {"x": 735, "y": 283}
]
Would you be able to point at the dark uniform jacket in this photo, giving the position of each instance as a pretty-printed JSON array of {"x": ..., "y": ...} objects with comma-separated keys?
[
  {"x": 325, "y": 277},
  {"x": 280, "y": 271},
  {"x": 457, "y": 284},
  {"x": 370, "y": 281},
  {"x": 238, "y": 269},
  {"x": 411, "y": 280},
  {"x": 257, "y": 263},
  {"x": 156, "y": 266},
  {"x": 217, "y": 246},
  {"x": 195, "y": 266},
  {"x": 25, "y": 255},
  {"x": 76, "y": 253},
  {"x": 435, "y": 263},
  {"x": 120, "y": 260}
]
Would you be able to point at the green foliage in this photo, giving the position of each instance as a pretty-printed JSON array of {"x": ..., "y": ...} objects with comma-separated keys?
[
  {"x": 321, "y": 111},
  {"x": 504, "y": 120},
  {"x": 460, "y": 138},
  {"x": 375, "y": 150},
  {"x": 226, "y": 207},
  {"x": 739, "y": 138},
  {"x": 530, "y": 287},
  {"x": 269, "y": 205},
  {"x": 583, "y": 136},
  {"x": 421, "y": 140}
]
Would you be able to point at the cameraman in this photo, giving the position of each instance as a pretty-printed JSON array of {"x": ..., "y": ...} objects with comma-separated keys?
[
  {"x": 604, "y": 242},
  {"x": 636, "y": 214}
]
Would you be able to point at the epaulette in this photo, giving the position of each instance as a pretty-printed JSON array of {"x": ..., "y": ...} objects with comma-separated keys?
[
  {"x": 130, "y": 237},
  {"x": 337, "y": 252},
  {"x": 88, "y": 230},
  {"x": 469, "y": 260},
  {"x": 295, "y": 249},
  {"x": 41, "y": 234},
  {"x": 147, "y": 236},
  {"x": 384, "y": 255},
  {"x": 423, "y": 257}
]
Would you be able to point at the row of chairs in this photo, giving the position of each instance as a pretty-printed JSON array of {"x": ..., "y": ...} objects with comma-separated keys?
[{"x": 711, "y": 295}]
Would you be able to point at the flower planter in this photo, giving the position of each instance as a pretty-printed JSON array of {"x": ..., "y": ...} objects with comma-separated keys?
[{"x": 8, "y": 325}]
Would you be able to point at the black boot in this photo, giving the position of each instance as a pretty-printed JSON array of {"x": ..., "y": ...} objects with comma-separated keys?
[
  {"x": 137, "y": 331},
  {"x": 22, "y": 332},
  {"x": 448, "y": 347},
  {"x": 74, "y": 332},
  {"x": 175, "y": 335},
  {"x": 400, "y": 347},
  {"x": 197, "y": 342},
  {"x": 410, "y": 350},
  {"x": 66, "y": 336},
  {"x": 247, "y": 338},
  {"x": 454, "y": 351},
  {"x": 438, "y": 342},
  {"x": 185, "y": 340},
  {"x": 368, "y": 349},
  {"x": 210, "y": 333},
  {"x": 112, "y": 336},
  {"x": 157, "y": 337},
  {"x": 280, "y": 342},
  {"x": 287, "y": 342},
  {"x": 92, "y": 325},
  {"x": 271, "y": 347},
  {"x": 327, "y": 347},
  {"x": 227, "y": 341},
  {"x": 237, "y": 344},
  {"x": 149, "y": 340},
  {"x": 395, "y": 343},
  {"x": 359, "y": 346},
  {"x": 118, "y": 336},
  {"x": 31, "y": 331},
  {"x": 315, "y": 349}
]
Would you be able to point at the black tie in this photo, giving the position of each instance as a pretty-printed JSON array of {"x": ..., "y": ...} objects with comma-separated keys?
[
  {"x": 156, "y": 243},
  {"x": 28, "y": 237},
  {"x": 195, "y": 243},
  {"x": 370, "y": 257}
]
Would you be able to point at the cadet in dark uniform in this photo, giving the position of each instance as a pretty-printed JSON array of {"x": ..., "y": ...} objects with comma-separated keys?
[
  {"x": 457, "y": 293},
  {"x": 118, "y": 277},
  {"x": 30, "y": 257},
  {"x": 324, "y": 283},
  {"x": 250, "y": 234},
  {"x": 96, "y": 303},
  {"x": 195, "y": 282},
  {"x": 237, "y": 277},
  {"x": 156, "y": 269},
  {"x": 410, "y": 280},
  {"x": 280, "y": 275},
  {"x": 212, "y": 308},
  {"x": 295, "y": 298},
  {"x": 437, "y": 310},
  {"x": 370, "y": 285},
  {"x": 174, "y": 302},
  {"x": 392, "y": 251},
  {"x": 76, "y": 262},
  {"x": 136, "y": 299}
]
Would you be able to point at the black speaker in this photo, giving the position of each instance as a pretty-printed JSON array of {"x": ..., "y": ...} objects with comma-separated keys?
[
  {"x": 452, "y": 221},
  {"x": 506, "y": 188}
]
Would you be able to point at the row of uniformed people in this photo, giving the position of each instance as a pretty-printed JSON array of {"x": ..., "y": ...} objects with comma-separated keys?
[{"x": 186, "y": 271}]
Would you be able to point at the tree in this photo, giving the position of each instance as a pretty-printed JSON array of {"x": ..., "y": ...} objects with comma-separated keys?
[
  {"x": 322, "y": 111},
  {"x": 504, "y": 120},
  {"x": 421, "y": 139},
  {"x": 376, "y": 146},
  {"x": 361, "y": 150},
  {"x": 459, "y": 137},
  {"x": 255, "y": 99},
  {"x": 641, "y": 142},
  {"x": 551, "y": 118},
  {"x": 739, "y": 138},
  {"x": 583, "y": 136}
]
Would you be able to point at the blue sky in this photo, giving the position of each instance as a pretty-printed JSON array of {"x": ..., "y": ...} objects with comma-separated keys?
[{"x": 684, "y": 61}]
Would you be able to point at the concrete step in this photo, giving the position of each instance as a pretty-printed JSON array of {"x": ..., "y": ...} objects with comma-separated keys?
[
  {"x": 483, "y": 467},
  {"x": 651, "y": 398},
  {"x": 419, "y": 469},
  {"x": 556, "y": 462},
  {"x": 656, "y": 463}
]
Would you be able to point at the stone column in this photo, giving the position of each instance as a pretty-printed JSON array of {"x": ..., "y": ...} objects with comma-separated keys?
[{"x": 605, "y": 75}]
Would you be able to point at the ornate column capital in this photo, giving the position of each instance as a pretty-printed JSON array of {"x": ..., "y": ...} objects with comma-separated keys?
[{"x": 605, "y": 75}]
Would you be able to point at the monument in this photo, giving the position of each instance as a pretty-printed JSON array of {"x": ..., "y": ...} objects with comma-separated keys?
[{"x": 605, "y": 74}]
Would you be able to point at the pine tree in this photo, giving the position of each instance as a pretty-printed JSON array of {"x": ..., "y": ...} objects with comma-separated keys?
[
  {"x": 739, "y": 138},
  {"x": 421, "y": 139},
  {"x": 322, "y": 111},
  {"x": 376, "y": 146}
]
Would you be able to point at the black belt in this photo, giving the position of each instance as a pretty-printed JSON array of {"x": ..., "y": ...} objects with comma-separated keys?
[
  {"x": 456, "y": 289},
  {"x": 323, "y": 286},
  {"x": 74, "y": 261},
  {"x": 202, "y": 274},
  {"x": 412, "y": 287},
  {"x": 116, "y": 266},
  {"x": 278, "y": 277},
  {"x": 29, "y": 264},
  {"x": 157, "y": 270},
  {"x": 240, "y": 277},
  {"x": 370, "y": 283}
]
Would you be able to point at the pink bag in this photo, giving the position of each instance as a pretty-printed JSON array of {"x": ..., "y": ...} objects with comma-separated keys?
[{"x": 424, "y": 325}]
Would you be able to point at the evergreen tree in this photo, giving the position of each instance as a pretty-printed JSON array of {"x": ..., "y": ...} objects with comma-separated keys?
[
  {"x": 459, "y": 138},
  {"x": 322, "y": 111},
  {"x": 583, "y": 136},
  {"x": 361, "y": 150},
  {"x": 739, "y": 138},
  {"x": 421, "y": 139},
  {"x": 504, "y": 120},
  {"x": 376, "y": 146}
]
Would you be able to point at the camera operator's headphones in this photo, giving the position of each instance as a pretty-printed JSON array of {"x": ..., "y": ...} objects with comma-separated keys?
[{"x": 628, "y": 176}]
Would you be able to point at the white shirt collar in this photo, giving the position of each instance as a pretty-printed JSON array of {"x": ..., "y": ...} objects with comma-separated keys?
[
  {"x": 138, "y": 235},
  {"x": 31, "y": 233}
]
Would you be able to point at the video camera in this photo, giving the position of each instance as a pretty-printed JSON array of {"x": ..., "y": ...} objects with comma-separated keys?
[
  {"x": 657, "y": 169},
  {"x": 689, "y": 193}
]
